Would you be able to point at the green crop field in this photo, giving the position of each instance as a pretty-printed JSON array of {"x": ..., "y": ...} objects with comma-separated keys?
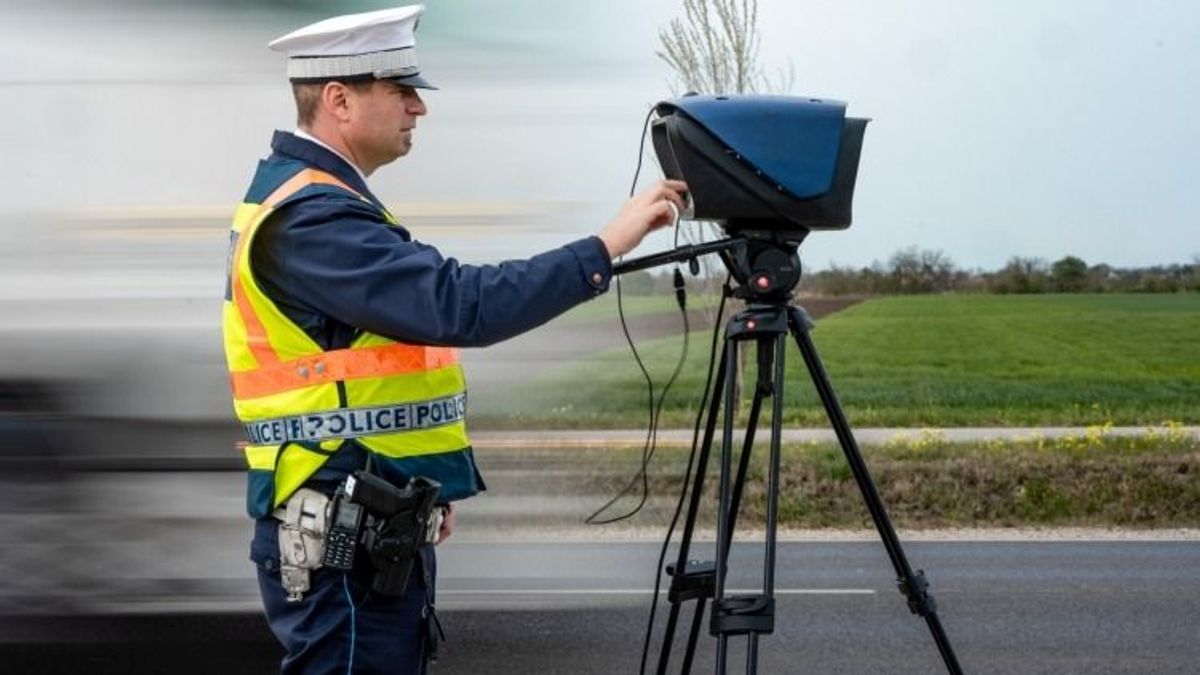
[{"x": 954, "y": 360}]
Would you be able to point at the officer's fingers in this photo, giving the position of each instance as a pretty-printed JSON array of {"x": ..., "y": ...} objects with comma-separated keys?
[
  {"x": 672, "y": 188},
  {"x": 675, "y": 192},
  {"x": 447, "y": 525},
  {"x": 662, "y": 214},
  {"x": 660, "y": 190},
  {"x": 667, "y": 187},
  {"x": 671, "y": 199},
  {"x": 648, "y": 196},
  {"x": 678, "y": 200}
]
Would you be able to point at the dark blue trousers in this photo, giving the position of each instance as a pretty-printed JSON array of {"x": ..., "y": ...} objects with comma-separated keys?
[{"x": 341, "y": 627}]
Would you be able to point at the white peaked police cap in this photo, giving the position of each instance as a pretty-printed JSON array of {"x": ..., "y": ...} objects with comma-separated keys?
[{"x": 379, "y": 44}]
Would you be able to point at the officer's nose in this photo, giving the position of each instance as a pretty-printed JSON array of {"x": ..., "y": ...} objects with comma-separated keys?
[{"x": 416, "y": 106}]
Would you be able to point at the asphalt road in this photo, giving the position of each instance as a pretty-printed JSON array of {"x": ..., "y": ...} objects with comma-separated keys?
[{"x": 580, "y": 608}]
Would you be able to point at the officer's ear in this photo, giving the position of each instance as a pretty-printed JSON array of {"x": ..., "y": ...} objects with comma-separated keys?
[{"x": 335, "y": 99}]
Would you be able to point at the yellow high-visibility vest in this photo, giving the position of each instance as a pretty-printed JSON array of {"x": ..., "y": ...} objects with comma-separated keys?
[{"x": 404, "y": 403}]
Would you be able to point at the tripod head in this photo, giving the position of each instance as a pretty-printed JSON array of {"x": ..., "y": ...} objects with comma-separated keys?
[{"x": 765, "y": 264}]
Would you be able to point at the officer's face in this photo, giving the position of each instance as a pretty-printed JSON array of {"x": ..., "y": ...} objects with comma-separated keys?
[{"x": 382, "y": 122}]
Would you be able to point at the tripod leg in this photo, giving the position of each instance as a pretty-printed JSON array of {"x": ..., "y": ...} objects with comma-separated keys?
[
  {"x": 664, "y": 654},
  {"x": 748, "y": 614},
  {"x": 775, "y": 388},
  {"x": 912, "y": 585},
  {"x": 723, "y": 535},
  {"x": 689, "y": 526},
  {"x": 693, "y": 635},
  {"x": 770, "y": 348},
  {"x": 762, "y": 389},
  {"x": 773, "y": 470},
  {"x": 764, "y": 386}
]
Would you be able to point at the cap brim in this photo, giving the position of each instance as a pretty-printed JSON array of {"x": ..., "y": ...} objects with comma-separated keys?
[{"x": 415, "y": 81}]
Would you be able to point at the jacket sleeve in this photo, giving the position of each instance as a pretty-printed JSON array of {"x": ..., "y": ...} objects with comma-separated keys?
[{"x": 337, "y": 257}]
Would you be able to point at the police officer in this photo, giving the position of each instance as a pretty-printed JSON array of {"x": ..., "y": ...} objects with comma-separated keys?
[{"x": 341, "y": 333}]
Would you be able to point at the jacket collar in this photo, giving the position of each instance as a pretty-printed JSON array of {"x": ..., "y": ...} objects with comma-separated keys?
[{"x": 294, "y": 147}]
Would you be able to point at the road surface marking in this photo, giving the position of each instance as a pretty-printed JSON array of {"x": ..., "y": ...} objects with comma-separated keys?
[{"x": 644, "y": 591}]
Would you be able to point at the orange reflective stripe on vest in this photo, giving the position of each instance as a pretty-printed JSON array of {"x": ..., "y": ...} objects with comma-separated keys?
[
  {"x": 342, "y": 364},
  {"x": 273, "y": 374}
]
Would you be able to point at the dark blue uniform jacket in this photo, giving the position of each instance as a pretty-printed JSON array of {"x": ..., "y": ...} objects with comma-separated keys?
[{"x": 335, "y": 267}]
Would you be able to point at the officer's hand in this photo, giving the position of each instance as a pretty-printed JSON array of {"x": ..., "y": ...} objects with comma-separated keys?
[
  {"x": 645, "y": 212},
  {"x": 447, "y": 524}
]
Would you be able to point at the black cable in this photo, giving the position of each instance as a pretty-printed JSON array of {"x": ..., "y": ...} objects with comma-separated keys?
[
  {"x": 683, "y": 491},
  {"x": 651, "y": 444},
  {"x": 654, "y": 409},
  {"x": 641, "y": 151}
]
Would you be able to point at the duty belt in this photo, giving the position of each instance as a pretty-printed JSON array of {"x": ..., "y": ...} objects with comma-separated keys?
[{"x": 356, "y": 422}]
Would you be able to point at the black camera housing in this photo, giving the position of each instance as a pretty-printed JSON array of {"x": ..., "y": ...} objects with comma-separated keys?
[{"x": 757, "y": 162}]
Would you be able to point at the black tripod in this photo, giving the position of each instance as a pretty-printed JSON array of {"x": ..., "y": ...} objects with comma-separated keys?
[{"x": 768, "y": 271}]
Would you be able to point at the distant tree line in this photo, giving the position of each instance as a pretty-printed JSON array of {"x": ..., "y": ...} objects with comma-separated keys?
[{"x": 914, "y": 270}]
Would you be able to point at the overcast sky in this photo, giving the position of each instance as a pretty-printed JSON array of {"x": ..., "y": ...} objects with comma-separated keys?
[{"x": 1000, "y": 128}]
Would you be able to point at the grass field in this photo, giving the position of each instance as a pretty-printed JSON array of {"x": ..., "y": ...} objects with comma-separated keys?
[{"x": 923, "y": 361}]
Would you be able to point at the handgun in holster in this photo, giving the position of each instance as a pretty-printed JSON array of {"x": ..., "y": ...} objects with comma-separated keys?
[{"x": 396, "y": 528}]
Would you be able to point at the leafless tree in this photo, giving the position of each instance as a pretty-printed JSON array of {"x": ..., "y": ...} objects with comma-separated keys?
[{"x": 713, "y": 49}]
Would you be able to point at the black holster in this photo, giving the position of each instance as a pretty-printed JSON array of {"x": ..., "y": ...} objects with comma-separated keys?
[{"x": 399, "y": 519}]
